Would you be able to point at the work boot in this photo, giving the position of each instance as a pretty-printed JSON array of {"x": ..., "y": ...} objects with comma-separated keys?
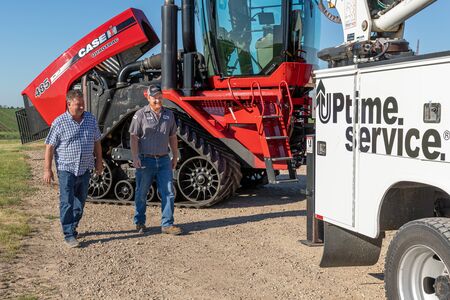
[
  {"x": 173, "y": 230},
  {"x": 141, "y": 228},
  {"x": 72, "y": 242}
]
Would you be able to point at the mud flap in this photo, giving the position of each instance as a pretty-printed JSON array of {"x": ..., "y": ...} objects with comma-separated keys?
[{"x": 343, "y": 248}]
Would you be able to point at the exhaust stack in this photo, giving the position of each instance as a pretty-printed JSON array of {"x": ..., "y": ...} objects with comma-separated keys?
[{"x": 169, "y": 45}]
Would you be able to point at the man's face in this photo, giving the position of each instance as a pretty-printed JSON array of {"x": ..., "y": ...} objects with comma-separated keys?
[
  {"x": 76, "y": 106},
  {"x": 155, "y": 101}
]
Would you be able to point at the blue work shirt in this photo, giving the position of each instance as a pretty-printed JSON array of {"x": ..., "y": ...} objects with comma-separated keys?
[{"x": 74, "y": 142}]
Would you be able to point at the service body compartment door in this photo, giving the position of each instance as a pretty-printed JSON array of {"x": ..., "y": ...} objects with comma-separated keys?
[
  {"x": 404, "y": 131},
  {"x": 334, "y": 191}
]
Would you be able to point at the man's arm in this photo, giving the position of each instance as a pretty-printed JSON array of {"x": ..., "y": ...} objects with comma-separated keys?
[
  {"x": 98, "y": 157},
  {"x": 173, "y": 142},
  {"x": 48, "y": 158},
  {"x": 135, "y": 150}
]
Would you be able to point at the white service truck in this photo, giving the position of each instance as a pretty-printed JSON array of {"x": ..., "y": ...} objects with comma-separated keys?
[
  {"x": 382, "y": 163},
  {"x": 382, "y": 152}
]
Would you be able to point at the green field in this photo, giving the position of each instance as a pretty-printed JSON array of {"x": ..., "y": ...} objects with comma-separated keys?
[
  {"x": 14, "y": 186},
  {"x": 8, "y": 124}
]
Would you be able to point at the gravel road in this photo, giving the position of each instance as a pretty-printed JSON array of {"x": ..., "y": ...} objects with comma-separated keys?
[{"x": 246, "y": 248}]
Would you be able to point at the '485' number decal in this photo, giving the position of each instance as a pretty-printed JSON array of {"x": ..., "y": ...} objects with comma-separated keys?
[{"x": 42, "y": 87}]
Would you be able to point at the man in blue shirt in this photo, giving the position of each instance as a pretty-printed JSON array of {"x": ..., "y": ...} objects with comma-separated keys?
[{"x": 73, "y": 140}]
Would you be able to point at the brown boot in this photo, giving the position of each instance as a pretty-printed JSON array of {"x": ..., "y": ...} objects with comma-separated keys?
[
  {"x": 141, "y": 228},
  {"x": 173, "y": 230}
]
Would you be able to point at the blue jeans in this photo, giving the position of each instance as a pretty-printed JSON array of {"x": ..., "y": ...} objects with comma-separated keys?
[
  {"x": 161, "y": 170},
  {"x": 73, "y": 192}
]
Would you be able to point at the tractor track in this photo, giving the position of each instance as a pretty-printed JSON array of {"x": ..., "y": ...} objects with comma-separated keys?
[{"x": 229, "y": 170}]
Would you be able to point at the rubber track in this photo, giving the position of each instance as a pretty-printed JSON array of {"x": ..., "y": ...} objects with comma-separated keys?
[{"x": 227, "y": 165}]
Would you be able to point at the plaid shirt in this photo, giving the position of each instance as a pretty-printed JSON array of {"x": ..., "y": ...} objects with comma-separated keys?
[{"x": 74, "y": 142}]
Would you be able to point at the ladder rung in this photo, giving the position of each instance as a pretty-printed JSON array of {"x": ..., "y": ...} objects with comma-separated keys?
[
  {"x": 280, "y": 158},
  {"x": 271, "y": 116},
  {"x": 281, "y": 137}
]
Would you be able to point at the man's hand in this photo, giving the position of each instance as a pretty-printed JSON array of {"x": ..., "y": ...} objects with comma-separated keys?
[
  {"x": 174, "y": 162},
  {"x": 134, "y": 145},
  {"x": 48, "y": 176},
  {"x": 99, "y": 167},
  {"x": 48, "y": 157},
  {"x": 137, "y": 163}
]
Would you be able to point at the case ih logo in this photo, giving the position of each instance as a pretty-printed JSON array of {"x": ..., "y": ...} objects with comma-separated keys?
[
  {"x": 380, "y": 126},
  {"x": 97, "y": 41},
  {"x": 93, "y": 45}
]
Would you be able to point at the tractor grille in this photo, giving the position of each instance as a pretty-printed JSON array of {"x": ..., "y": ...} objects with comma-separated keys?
[
  {"x": 111, "y": 65},
  {"x": 26, "y": 134}
]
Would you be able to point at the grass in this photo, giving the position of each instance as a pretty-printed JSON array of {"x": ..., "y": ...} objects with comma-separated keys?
[
  {"x": 8, "y": 119},
  {"x": 8, "y": 125},
  {"x": 9, "y": 135},
  {"x": 14, "y": 186}
]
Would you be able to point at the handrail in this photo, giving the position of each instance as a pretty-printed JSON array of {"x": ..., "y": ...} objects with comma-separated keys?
[
  {"x": 291, "y": 105},
  {"x": 234, "y": 98},
  {"x": 260, "y": 96}
]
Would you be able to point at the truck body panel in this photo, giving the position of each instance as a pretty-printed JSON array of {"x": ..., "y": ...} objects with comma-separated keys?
[{"x": 387, "y": 125}]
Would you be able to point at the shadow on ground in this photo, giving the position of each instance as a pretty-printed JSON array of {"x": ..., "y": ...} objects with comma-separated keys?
[
  {"x": 187, "y": 227},
  {"x": 266, "y": 195}
]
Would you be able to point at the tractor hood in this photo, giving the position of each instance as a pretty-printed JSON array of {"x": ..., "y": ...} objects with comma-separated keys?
[{"x": 121, "y": 40}]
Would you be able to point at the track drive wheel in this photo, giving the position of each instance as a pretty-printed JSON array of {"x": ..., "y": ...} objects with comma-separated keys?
[
  {"x": 198, "y": 179},
  {"x": 100, "y": 185},
  {"x": 124, "y": 190},
  {"x": 418, "y": 261},
  {"x": 211, "y": 176}
]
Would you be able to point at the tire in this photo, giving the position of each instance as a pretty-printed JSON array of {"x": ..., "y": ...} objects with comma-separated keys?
[{"x": 418, "y": 261}]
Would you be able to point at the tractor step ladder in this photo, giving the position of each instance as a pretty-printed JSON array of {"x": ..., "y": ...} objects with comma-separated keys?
[
  {"x": 270, "y": 159},
  {"x": 273, "y": 134}
]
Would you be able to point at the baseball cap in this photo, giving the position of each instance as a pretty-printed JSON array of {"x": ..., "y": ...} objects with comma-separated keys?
[{"x": 153, "y": 90}]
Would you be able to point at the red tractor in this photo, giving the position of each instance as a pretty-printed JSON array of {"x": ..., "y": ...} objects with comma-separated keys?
[{"x": 241, "y": 102}]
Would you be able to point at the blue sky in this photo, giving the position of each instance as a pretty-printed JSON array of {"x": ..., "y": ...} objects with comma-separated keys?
[{"x": 34, "y": 33}]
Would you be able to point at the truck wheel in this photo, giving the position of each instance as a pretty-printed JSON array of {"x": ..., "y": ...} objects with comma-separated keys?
[{"x": 418, "y": 261}]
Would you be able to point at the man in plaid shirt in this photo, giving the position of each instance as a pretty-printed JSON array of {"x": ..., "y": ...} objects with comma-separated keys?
[{"x": 73, "y": 140}]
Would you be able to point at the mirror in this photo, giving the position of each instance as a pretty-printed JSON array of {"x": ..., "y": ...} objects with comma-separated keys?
[{"x": 266, "y": 18}]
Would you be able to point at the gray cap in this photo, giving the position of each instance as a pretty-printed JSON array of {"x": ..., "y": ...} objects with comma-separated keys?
[{"x": 153, "y": 90}]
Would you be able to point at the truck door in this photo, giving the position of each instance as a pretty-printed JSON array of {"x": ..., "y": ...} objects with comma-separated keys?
[{"x": 335, "y": 132}]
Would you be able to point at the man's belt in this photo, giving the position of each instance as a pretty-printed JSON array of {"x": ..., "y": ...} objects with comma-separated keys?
[{"x": 154, "y": 156}]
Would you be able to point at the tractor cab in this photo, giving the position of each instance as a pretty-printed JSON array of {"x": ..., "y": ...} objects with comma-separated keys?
[{"x": 252, "y": 37}]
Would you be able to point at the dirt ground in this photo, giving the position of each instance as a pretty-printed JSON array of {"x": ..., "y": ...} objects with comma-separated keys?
[{"x": 246, "y": 248}]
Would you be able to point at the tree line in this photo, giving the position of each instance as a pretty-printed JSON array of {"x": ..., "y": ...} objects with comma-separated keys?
[{"x": 10, "y": 107}]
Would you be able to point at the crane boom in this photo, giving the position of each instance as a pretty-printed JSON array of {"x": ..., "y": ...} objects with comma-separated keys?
[{"x": 373, "y": 29}]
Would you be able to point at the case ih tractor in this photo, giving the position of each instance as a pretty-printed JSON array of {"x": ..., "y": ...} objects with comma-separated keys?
[{"x": 241, "y": 102}]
